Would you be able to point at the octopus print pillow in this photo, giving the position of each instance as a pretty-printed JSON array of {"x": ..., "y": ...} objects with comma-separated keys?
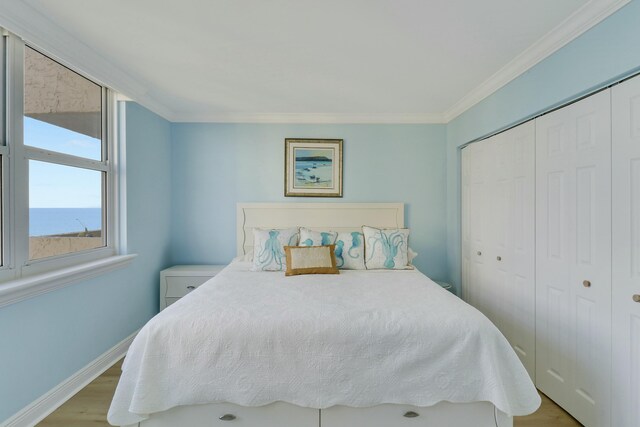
[
  {"x": 268, "y": 248},
  {"x": 317, "y": 238},
  {"x": 386, "y": 248},
  {"x": 349, "y": 251}
]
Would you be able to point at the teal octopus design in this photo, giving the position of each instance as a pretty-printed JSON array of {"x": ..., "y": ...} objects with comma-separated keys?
[
  {"x": 338, "y": 253},
  {"x": 390, "y": 244},
  {"x": 307, "y": 242},
  {"x": 272, "y": 251},
  {"x": 325, "y": 238},
  {"x": 355, "y": 242}
]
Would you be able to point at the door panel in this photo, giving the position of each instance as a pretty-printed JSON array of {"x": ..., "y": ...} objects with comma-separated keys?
[
  {"x": 517, "y": 256},
  {"x": 573, "y": 258},
  {"x": 476, "y": 285},
  {"x": 626, "y": 253},
  {"x": 498, "y": 234}
]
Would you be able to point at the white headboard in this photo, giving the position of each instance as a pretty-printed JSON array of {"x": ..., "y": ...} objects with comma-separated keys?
[{"x": 319, "y": 216}]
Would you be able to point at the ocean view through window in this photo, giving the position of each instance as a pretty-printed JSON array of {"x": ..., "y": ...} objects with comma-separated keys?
[
  {"x": 63, "y": 122},
  {"x": 56, "y": 221}
]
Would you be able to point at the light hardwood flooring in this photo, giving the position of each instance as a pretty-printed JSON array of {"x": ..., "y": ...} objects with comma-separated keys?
[{"x": 89, "y": 407}]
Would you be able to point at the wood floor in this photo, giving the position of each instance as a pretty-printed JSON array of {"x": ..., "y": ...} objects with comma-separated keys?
[{"x": 89, "y": 407}]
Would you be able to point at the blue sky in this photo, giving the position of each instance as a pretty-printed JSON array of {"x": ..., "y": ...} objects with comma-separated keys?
[{"x": 56, "y": 186}]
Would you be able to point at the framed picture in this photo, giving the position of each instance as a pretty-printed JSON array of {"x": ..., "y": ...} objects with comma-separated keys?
[{"x": 312, "y": 167}]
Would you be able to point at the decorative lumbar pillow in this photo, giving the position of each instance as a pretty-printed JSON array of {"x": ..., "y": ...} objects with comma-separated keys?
[
  {"x": 268, "y": 248},
  {"x": 316, "y": 238},
  {"x": 310, "y": 260},
  {"x": 350, "y": 251},
  {"x": 386, "y": 248}
]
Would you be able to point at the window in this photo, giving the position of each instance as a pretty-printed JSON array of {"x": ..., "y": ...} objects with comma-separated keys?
[
  {"x": 57, "y": 194},
  {"x": 65, "y": 148}
]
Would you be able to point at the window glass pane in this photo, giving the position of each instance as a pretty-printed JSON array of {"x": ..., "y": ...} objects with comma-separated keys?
[
  {"x": 63, "y": 110},
  {"x": 45, "y": 135},
  {"x": 65, "y": 209}
]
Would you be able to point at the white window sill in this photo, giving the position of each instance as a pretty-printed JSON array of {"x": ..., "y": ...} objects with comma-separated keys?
[{"x": 17, "y": 290}]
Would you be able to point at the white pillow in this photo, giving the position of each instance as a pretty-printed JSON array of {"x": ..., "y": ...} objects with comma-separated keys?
[
  {"x": 317, "y": 238},
  {"x": 411, "y": 255},
  {"x": 268, "y": 248},
  {"x": 349, "y": 251},
  {"x": 386, "y": 248}
]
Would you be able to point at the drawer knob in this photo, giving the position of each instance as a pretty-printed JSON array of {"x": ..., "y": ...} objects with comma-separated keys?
[
  {"x": 228, "y": 417},
  {"x": 636, "y": 298},
  {"x": 586, "y": 284},
  {"x": 499, "y": 258},
  {"x": 191, "y": 287},
  {"x": 479, "y": 253},
  {"x": 411, "y": 414}
]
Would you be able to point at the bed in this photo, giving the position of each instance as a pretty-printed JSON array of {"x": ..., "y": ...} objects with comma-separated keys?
[{"x": 376, "y": 348}]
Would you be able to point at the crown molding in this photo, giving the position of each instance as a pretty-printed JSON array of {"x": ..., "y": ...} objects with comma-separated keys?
[
  {"x": 310, "y": 118},
  {"x": 573, "y": 26},
  {"x": 28, "y": 23}
]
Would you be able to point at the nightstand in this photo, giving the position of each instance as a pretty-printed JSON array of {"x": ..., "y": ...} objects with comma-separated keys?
[
  {"x": 179, "y": 280},
  {"x": 445, "y": 285}
]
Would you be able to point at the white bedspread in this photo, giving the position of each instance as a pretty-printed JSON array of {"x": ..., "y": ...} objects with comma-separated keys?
[{"x": 359, "y": 339}]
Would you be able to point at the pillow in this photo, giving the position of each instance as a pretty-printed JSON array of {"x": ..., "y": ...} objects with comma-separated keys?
[
  {"x": 411, "y": 255},
  {"x": 317, "y": 238},
  {"x": 268, "y": 248},
  {"x": 386, "y": 248},
  {"x": 310, "y": 260},
  {"x": 350, "y": 251}
]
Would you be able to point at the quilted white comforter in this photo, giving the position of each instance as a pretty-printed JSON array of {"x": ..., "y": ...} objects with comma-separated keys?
[{"x": 359, "y": 339}]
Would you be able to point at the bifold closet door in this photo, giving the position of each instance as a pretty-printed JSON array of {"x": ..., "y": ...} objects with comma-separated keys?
[
  {"x": 626, "y": 253},
  {"x": 511, "y": 250},
  {"x": 475, "y": 225},
  {"x": 498, "y": 235},
  {"x": 573, "y": 258}
]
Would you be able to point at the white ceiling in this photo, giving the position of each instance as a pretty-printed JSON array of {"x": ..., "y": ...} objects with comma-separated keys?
[{"x": 304, "y": 61}]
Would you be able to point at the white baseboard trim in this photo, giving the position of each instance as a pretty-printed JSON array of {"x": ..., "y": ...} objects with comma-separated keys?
[{"x": 37, "y": 410}]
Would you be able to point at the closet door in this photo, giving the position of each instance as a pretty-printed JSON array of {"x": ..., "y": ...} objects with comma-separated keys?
[
  {"x": 511, "y": 253},
  {"x": 498, "y": 235},
  {"x": 476, "y": 284},
  {"x": 626, "y": 253},
  {"x": 573, "y": 258}
]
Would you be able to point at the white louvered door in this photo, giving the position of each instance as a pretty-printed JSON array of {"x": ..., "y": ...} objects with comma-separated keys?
[
  {"x": 626, "y": 253},
  {"x": 498, "y": 234},
  {"x": 573, "y": 258}
]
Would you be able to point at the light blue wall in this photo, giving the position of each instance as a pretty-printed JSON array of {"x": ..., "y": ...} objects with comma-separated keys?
[
  {"x": 46, "y": 339},
  {"x": 600, "y": 56},
  {"x": 219, "y": 165}
]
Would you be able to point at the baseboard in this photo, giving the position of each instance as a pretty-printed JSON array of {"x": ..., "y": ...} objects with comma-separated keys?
[{"x": 37, "y": 410}]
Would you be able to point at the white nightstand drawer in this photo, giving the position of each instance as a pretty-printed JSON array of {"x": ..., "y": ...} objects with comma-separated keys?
[
  {"x": 169, "y": 301},
  {"x": 179, "y": 286},
  {"x": 179, "y": 280}
]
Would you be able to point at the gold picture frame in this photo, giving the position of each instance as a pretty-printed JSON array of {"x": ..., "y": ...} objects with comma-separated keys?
[{"x": 312, "y": 167}]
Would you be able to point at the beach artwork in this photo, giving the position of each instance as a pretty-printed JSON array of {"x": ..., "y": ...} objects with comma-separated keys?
[{"x": 313, "y": 168}]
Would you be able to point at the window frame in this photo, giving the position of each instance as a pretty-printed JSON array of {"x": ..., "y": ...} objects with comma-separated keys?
[{"x": 14, "y": 196}]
